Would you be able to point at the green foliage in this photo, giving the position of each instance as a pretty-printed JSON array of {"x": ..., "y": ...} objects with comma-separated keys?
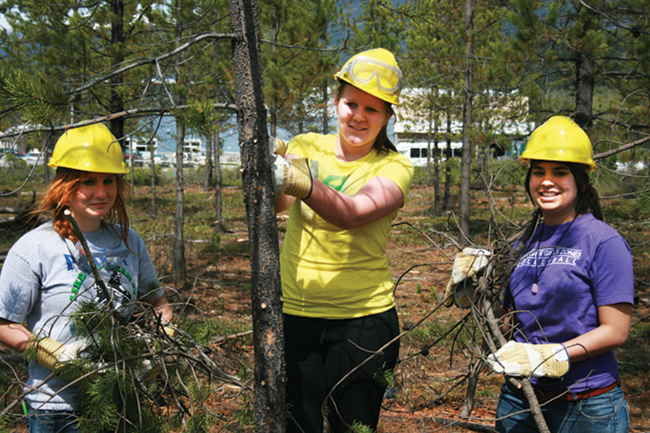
[
  {"x": 642, "y": 204},
  {"x": 385, "y": 377},
  {"x": 40, "y": 99},
  {"x": 420, "y": 173},
  {"x": 112, "y": 395},
  {"x": 358, "y": 427},
  {"x": 208, "y": 330},
  {"x": 15, "y": 173},
  {"x": 199, "y": 118},
  {"x": 142, "y": 176},
  {"x": 243, "y": 415},
  {"x": 296, "y": 80}
]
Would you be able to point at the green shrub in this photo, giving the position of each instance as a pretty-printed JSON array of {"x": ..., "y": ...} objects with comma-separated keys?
[{"x": 142, "y": 176}]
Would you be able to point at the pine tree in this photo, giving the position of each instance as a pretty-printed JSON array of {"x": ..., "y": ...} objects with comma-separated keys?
[{"x": 294, "y": 36}]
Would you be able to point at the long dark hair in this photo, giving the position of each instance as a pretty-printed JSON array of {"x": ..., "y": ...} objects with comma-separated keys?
[
  {"x": 587, "y": 200},
  {"x": 382, "y": 142}
]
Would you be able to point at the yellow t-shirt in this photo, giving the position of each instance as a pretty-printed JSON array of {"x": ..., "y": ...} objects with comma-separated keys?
[{"x": 328, "y": 272}]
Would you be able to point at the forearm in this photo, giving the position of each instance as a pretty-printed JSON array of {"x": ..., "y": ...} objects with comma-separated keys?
[
  {"x": 377, "y": 199},
  {"x": 15, "y": 336},
  {"x": 612, "y": 333},
  {"x": 283, "y": 203},
  {"x": 161, "y": 306}
]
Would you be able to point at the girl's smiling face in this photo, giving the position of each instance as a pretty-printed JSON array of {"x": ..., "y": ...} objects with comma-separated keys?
[
  {"x": 93, "y": 197},
  {"x": 361, "y": 117},
  {"x": 553, "y": 189}
]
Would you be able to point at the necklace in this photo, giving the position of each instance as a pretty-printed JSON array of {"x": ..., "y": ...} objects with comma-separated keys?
[{"x": 535, "y": 287}]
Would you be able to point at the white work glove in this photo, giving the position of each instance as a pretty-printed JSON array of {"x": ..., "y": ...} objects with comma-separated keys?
[
  {"x": 536, "y": 360},
  {"x": 466, "y": 264},
  {"x": 49, "y": 353},
  {"x": 150, "y": 368},
  {"x": 293, "y": 176},
  {"x": 277, "y": 146}
]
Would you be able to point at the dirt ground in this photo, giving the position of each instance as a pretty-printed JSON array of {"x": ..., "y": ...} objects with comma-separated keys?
[{"x": 429, "y": 391}]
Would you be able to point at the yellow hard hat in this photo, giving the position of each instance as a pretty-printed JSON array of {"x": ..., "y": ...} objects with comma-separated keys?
[
  {"x": 375, "y": 72},
  {"x": 89, "y": 148},
  {"x": 559, "y": 139}
]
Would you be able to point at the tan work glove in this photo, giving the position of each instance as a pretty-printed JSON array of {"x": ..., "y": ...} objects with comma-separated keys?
[
  {"x": 536, "y": 360},
  {"x": 50, "y": 352},
  {"x": 277, "y": 146},
  {"x": 461, "y": 289},
  {"x": 170, "y": 331},
  {"x": 293, "y": 176}
]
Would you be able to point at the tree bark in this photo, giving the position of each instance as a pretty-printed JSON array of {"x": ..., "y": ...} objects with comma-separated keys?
[
  {"x": 153, "y": 173},
  {"x": 268, "y": 337},
  {"x": 468, "y": 94},
  {"x": 218, "y": 205},
  {"x": 178, "y": 245},
  {"x": 207, "y": 180},
  {"x": 117, "y": 57}
]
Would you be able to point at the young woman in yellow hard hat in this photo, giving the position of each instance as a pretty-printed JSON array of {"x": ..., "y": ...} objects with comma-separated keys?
[
  {"x": 569, "y": 301},
  {"x": 337, "y": 287},
  {"x": 45, "y": 277}
]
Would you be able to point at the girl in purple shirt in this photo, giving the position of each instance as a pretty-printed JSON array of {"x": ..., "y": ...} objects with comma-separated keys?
[{"x": 570, "y": 297}]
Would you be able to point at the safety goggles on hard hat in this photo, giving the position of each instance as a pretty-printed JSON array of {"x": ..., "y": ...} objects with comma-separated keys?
[{"x": 363, "y": 69}]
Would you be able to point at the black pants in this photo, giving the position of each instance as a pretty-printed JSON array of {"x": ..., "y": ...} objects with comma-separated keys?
[{"x": 320, "y": 352}]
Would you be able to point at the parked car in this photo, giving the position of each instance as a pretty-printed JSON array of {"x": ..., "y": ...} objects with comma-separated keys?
[
  {"x": 32, "y": 158},
  {"x": 137, "y": 158},
  {"x": 160, "y": 160}
]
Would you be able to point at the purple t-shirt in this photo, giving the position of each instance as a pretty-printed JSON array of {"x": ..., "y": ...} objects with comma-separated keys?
[{"x": 579, "y": 266}]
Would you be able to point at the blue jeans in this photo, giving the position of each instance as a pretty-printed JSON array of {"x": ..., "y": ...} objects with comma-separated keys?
[
  {"x": 605, "y": 413},
  {"x": 51, "y": 421}
]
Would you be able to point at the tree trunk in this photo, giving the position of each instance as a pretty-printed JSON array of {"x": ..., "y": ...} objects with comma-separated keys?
[
  {"x": 218, "y": 207},
  {"x": 178, "y": 246},
  {"x": 207, "y": 180},
  {"x": 46, "y": 157},
  {"x": 268, "y": 338},
  {"x": 152, "y": 166},
  {"x": 326, "y": 116},
  {"x": 178, "y": 239},
  {"x": 445, "y": 198},
  {"x": 154, "y": 213},
  {"x": 429, "y": 132},
  {"x": 468, "y": 93},
  {"x": 117, "y": 39},
  {"x": 436, "y": 170},
  {"x": 131, "y": 167},
  {"x": 584, "y": 90}
]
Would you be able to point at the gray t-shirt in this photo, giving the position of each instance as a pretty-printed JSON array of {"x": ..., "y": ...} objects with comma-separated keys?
[{"x": 45, "y": 278}]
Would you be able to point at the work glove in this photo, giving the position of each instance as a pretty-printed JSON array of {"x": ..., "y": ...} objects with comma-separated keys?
[
  {"x": 461, "y": 289},
  {"x": 170, "y": 331},
  {"x": 49, "y": 353},
  {"x": 293, "y": 176},
  {"x": 150, "y": 368},
  {"x": 536, "y": 360},
  {"x": 277, "y": 146}
]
